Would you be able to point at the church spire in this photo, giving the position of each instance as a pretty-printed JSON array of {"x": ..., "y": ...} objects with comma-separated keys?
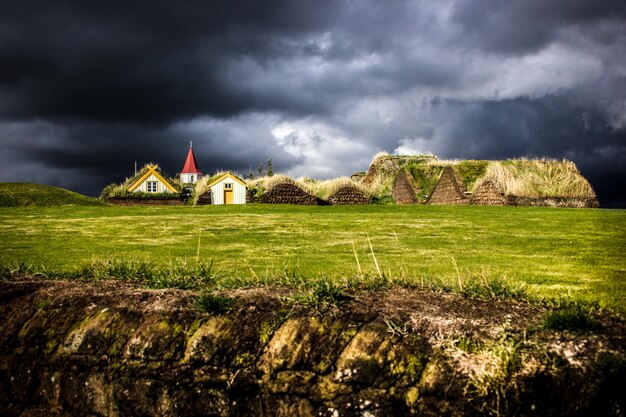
[{"x": 191, "y": 171}]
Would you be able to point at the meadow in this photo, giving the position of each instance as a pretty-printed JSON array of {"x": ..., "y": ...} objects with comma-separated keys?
[{"x": 551, "y": 253}]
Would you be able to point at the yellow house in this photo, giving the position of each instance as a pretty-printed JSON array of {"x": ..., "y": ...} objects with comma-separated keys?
[
  {"x": 228, "y": 189},
  {"x": 152, "y": 182}
]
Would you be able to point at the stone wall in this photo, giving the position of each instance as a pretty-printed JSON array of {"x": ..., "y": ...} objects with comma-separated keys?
[
  {"x": 204, "y": 198},
  {"x": 287, "y": 193},
  {"x": 566, "y": 202},
  {"x": 129, "y": 201},
  {"x": 112, "y": 349},
  {"x": 349, "y": 195},
  {"x": 403, "y": 191},
  {"x": 449, "y": 189},
  {"x": 488, "y": 194}
]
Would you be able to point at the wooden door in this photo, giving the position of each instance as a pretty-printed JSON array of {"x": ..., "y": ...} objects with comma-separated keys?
[{"x": 228, "y": 194}]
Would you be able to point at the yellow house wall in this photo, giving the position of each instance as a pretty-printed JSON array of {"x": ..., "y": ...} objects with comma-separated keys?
[
  {"x": 217, "y": 192},
  {"x": 161, "y": 188}
]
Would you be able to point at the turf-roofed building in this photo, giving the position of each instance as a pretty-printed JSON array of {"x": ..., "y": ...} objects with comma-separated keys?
[
  {"x": 152, "y": 182},
  {"x": 228, "y": 189}
]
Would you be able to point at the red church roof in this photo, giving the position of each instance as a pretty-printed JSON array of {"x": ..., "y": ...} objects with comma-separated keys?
[{"x": 191, "y": 165}]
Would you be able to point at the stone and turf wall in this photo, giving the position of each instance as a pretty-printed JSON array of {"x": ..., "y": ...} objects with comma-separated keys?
[
  {"x": 129, "y": 201},
  {"x": 112, "y": 349},
  {"x": 287, "y": 193}
]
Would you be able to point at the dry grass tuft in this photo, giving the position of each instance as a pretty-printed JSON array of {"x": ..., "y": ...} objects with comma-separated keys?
[
  {"x": 327, "y": 188},
  {"x": 274, "y": 180},
  {"x": 202, "y": 186},
  {"x": 380, "y": 154},
  {"x": 443, "y": 162},
  {"x": 538, "y": 178},
  {"x": 381, "y": 184},
  {"x": 268, "y": 183}
]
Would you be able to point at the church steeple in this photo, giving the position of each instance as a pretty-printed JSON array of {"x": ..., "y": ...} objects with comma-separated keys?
[{"x": 191, "y": 171}]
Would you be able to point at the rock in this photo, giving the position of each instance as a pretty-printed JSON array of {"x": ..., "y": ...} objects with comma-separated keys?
[
  {"x": 363, "y": 359},
  {"x": 291, "y": 344},
  {"x": 157, "y": 338}
]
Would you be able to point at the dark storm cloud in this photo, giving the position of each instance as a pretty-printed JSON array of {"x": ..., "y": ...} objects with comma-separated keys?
[
  {"x": 87, "y": 157},
  {"x": 555, "y": 127},
  {"x": 139, "y": 61},
  {"x": 158, "y": 63},
  {"x": 523, "y": 26},
  {"x": 87, "y": 88}
]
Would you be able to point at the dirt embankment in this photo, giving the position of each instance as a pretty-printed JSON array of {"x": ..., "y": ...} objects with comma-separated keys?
[{"x": 112, "y": 349}]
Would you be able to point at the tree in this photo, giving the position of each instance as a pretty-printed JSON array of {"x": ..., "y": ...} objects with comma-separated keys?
[
  {"x": 259, "y": 170},
  {"x": 268, "y": 168}
]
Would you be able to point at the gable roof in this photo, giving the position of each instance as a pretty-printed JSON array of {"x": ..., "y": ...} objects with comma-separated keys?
[
  {"x": 403, "y": 190},
  {"x": 449, "y": 189},
  {"x": 152, "y": 170},
  {"x": 227, "y": 175},
  {"x": 191, "y": 165}
]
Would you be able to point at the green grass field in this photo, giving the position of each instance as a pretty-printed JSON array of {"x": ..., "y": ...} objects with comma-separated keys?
[{"x": 554, "y": 252}]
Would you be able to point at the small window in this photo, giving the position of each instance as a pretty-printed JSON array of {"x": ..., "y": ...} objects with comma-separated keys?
[
  {"x": 151, "y": 186},
  {"x": 228, "y": 186},
  {"x": 191, "y": 178}
]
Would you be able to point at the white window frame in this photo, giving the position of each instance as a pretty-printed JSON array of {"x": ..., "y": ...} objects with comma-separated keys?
[{"x": 151, "y": 186}]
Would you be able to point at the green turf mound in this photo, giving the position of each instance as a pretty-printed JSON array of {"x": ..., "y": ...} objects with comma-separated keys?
[
  {"x": 538, "y": 178},
  {"x": 25, "y": 194}
]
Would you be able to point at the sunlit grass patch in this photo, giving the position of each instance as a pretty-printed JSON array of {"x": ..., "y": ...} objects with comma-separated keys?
[{"x": 550, "y": 252}]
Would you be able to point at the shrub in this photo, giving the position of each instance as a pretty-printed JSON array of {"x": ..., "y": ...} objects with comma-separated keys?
[
  {"x": 572, "y": 317},
  {"x": 213, "y": 303},
  {"x": 321, "y": 294},
  {"x": 383, "y": 199}
]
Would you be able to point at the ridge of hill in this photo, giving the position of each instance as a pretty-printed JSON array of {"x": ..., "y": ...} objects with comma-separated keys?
[{"x": 27, "y": 194}]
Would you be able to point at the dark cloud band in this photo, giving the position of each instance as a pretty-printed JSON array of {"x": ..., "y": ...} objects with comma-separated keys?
[{"x": 87, "y": 88}]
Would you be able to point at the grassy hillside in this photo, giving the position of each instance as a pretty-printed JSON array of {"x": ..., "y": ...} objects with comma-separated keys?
[
  {"x": 24, "y": 194},
  {"x": 521, "y": 177},
  {"x": 552, "y": 252}
]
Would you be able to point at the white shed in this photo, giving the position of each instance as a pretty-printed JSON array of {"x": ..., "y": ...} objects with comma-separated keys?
[{"x": 228, "y": 189}]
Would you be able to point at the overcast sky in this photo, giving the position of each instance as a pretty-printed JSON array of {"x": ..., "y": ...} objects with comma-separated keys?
[{"x": 89, "y": 87}]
